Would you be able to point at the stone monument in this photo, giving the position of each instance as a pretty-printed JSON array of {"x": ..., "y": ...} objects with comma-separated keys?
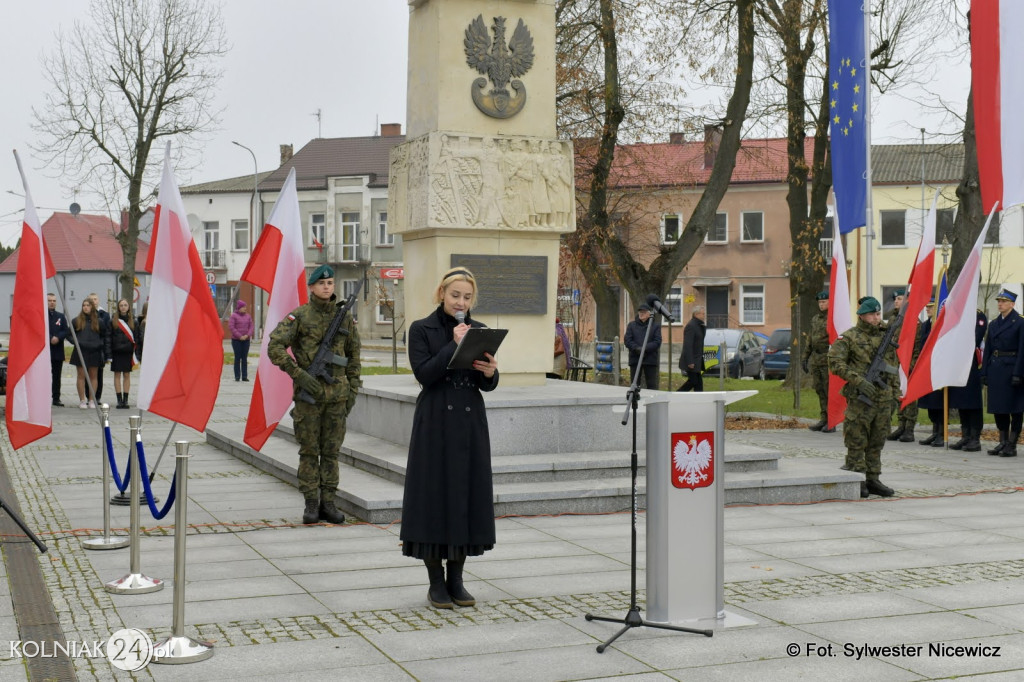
[{"x": 481, "y": 180}]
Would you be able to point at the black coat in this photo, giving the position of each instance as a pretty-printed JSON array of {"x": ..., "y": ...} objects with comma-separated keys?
[
  {"x": 58, "y": 328},
  {"x": 968, "y": 397},
  {"x": 119, "y": 341},
  {"x": 1003, "y": 360},
  {"x": 693, "y": 345},
  {"x": 634, "y": 340},
  {"x": 95, "y": 345},
  {"x": 448, "y": 506}
]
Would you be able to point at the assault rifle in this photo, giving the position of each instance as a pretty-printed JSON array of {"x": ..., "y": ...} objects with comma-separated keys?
[
  {"x": 325, "y": 355},
  {"x": 878, "y": 365}
]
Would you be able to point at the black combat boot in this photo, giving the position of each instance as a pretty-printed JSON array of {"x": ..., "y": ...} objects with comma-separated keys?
[
  {"x": 864, "y": 489},
  {"x": 311, "y": 514},
  {"x": 1004, "y": 436},
  {"x": 818, "y": 425},
  {"x": 330, "y": 513},
  {"x": 1010, "y": 449},
  {"x": 931, "y": 439},
  {"x": 437, "y": 595},
  {"x": 965, "y": 437},
  {"x": 939, "y": 441},
  {"x": 972, "y": 444},
  {"x": 908, "y": 433},
  {"x": 454, "y": 584},
  {"x": 897, "y": 432},
  {"x": 876, "y": 487}
]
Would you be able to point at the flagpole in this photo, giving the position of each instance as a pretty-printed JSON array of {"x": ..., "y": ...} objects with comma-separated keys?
[{"x": 869, "y": 234}]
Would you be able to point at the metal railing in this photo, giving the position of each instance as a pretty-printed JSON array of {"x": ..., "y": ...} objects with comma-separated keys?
[{"x": 214, "y": 258}]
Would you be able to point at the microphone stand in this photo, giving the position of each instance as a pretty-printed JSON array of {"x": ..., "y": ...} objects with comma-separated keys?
[{"x": 633, "y": 619}]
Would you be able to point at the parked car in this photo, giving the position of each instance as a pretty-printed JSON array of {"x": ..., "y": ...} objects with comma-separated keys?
[
  {"x": 744, "y": 356},
  {"x": 776, "y": 354}
]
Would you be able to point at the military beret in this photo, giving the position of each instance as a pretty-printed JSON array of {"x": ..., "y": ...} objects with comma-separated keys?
[
  {"x": 1007, "y": 295},
  {"x": 869, "y": 304},
  {"x": 322, "y": 272},
  {"x": 898, "y": 292},
  {"x": 823, "y": 295}
]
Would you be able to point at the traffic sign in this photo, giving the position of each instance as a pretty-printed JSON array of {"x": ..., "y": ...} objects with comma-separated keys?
[{"x": 211, "y": 277}]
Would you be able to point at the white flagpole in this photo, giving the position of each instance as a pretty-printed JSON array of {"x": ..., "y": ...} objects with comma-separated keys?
[{"x": 869, "y": 233}]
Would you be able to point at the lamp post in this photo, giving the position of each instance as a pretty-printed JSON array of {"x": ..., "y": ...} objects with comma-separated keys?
[{"x": 254, "y": 214}]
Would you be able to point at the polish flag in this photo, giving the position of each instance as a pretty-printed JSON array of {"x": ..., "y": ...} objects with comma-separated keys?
[
  {"x": 948, "y": 353},
  {"x": 839, "y": 317},
  {"x": 998, "y": 92},
  {"x": 184, "y": 360},
  {"x": 919, "y": 289},
  {"x": 278, "y": 267},
  {"x": 28, "y": 414}
]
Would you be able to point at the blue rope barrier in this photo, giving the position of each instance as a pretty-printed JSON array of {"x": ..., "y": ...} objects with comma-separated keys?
[
  {"x": 121, "y": 485},
  {"x": 149, "y": 491}
]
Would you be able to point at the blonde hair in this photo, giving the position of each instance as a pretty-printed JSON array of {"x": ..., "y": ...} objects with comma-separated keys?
[{"x": 456, "y": 274}]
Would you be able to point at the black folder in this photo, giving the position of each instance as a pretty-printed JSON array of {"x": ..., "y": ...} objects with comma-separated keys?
[{"x": 476, "y": 342}]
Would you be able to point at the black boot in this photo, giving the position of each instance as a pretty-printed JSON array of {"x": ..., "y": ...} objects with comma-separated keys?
[
  {"x": 876, "y": 487},
  {"x": 1010, "y": 449},
  {"x": 908, "y": 433},
  {"x": 897, "y": 432},
  {"x": 1003, "y": 438},
  {"x": 454, "y": 584},
  {"x": 965, "y": 437},
  {"x": 819, "y": 425},
  {"x": 931, "y": 439},
  {"x": 939, "y": 441},
  {"x": 311, "y": 514},
  {"x": 973, "y": 443},
  {"x": 330, "y": 513},
  {"x": 437, "y": 595}
]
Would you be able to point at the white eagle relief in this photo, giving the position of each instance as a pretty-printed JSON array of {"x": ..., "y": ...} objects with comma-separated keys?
[{"x": 692, "y": 459}]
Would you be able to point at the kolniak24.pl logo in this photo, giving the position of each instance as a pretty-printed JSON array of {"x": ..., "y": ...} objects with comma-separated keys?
[{"x": 129, "y": 649}]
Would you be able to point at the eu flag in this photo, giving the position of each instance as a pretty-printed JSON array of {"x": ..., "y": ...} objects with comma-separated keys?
[{"x": 848, "y": 92}]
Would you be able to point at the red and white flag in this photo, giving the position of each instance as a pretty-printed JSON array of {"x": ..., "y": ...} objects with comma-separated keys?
[
  {"x": 184, "y": 360},
  {"x": 948, "y": 353},
  {"x": 839, "y": 320},
  {"x": 28, "y": 414},
  {"x": 998, "y": 90},
  {"x": 919, "y": 290},
  {"x": 277, "y": 266}
]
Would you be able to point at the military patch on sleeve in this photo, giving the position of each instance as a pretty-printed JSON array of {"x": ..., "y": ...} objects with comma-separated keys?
[
  {"x": 291, "y": 317},
  {"x": 838, "y": 337}
]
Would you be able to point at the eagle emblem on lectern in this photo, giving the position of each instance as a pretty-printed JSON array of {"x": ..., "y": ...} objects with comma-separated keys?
[
  {"x": 693, "y": 458},
  {"x": 501, "y": 62}
]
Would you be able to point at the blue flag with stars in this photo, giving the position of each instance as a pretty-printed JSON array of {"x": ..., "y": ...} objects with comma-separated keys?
[{"x": 848, "y": 93}]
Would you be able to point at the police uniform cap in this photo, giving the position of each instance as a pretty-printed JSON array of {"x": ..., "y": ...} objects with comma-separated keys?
[
  {"x": 823, "y": 295},
  {"x": 898, "y": 292},
  {"x": 869, "y": 304},
  {"x": 322, "y": 272},
  {"x": 1007, "y": 295}
]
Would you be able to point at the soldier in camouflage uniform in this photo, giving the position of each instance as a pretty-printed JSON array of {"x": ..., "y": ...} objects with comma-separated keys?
[
  {"x": 815, "y": 361},
  {"x": 865, "y": 426},
  {"x": 907, "y": 419},
  {"x": 320, "y": 427}
]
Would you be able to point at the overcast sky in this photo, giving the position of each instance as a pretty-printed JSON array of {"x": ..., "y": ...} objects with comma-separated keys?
[{"x": 346, "y": 58}]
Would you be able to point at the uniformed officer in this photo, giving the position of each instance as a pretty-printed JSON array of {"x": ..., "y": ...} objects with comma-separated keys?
[
  {"x": 1002, "y": 370},
  {"x": 866, "y": 423},
  {"x": 815, "y": 361},
  {"x": 967, "y": 400},
  {"x": 907, "y": 417},
  {"x": 319, "y": 427}
]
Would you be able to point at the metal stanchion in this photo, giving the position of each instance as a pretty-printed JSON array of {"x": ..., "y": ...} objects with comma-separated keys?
[
  {"x": 178, "y": 648},
  {"x": 135, "y": 582},
  {"x": 107, "y": 541}
]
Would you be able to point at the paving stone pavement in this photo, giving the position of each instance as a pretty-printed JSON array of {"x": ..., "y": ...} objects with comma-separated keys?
[{"x": 937, "y": 567}]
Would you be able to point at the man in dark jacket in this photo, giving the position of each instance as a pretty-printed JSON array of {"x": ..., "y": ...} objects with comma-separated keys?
[
  {"x": 634, "y": 341},
  {"x": 692, "y": 360},
  {"x": 58, "y": 333},
  {"x": 1002, "y": 370}
]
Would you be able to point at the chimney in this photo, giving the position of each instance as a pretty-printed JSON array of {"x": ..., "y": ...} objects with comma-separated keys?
[
  {"x": 676, "y": 138},
  {"x": 712, "y": 139},
  {"x": 286, "y": 153},
  {"x": 390, "y": 129}
]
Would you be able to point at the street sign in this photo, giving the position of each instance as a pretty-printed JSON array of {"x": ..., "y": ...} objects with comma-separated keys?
[
  {"x": 211, "y": 277},
  {"x": 392, "y": 273},
  {"x": 213, "y": 290}
]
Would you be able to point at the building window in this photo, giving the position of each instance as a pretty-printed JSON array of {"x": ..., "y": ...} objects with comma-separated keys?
[
  {"x": 348, "y": 287},
  {"x": 675, "y": 303},
  {"x": 317, "y": 225},
  {"x": 670, "y": 226},
  {"x": 239, "y": 235},
  {"x": 752, "y": 304},
  {"x": 384, "y": 238},
  {"x": 753, "y": 226},
  {"x": 212, "y": 256},
  {"x": 385, "y": 308},
  {"x": 894, "y": 228},
  {"x": 992, "y": 236},
  {"x": 944, "y": 224},
  {"x": 719, "y": 232},
  {"x": 350, "y": 236}
]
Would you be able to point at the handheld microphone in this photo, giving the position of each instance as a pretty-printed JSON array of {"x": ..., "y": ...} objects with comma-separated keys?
[
  {"x": 657, "y": 305},
  {"x": 460, "y": 316}
]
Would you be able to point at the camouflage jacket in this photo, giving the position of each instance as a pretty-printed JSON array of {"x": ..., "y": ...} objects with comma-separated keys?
[
  {"x": 919, "y": 339},
  {"x": 851, "y": 356},
  {"x": 302, "y": 330},
  {"x": 817, "y": 341}
]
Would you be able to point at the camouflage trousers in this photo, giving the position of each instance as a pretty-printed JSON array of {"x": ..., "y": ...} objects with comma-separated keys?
[
  {"x": 819, "y": 378},
  {"x": 864, "y": 431},
  {"x": 908, "y": 415},
  {"x": 320, "y": 431}
]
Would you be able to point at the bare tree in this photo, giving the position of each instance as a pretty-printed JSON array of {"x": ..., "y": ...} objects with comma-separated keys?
[{"x": 137, "y": 72}]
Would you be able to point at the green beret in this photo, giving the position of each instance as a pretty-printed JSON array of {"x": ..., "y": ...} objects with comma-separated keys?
[
  {"x": 869, "y": 304},
  {"x": 898, "y": 292},
  {"x": 823, "y": 295},
  {"x": 322, "y": 272}
]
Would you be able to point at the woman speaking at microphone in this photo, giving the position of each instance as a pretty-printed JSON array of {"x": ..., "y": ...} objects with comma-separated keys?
[{"x": 448, "y": 506}]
